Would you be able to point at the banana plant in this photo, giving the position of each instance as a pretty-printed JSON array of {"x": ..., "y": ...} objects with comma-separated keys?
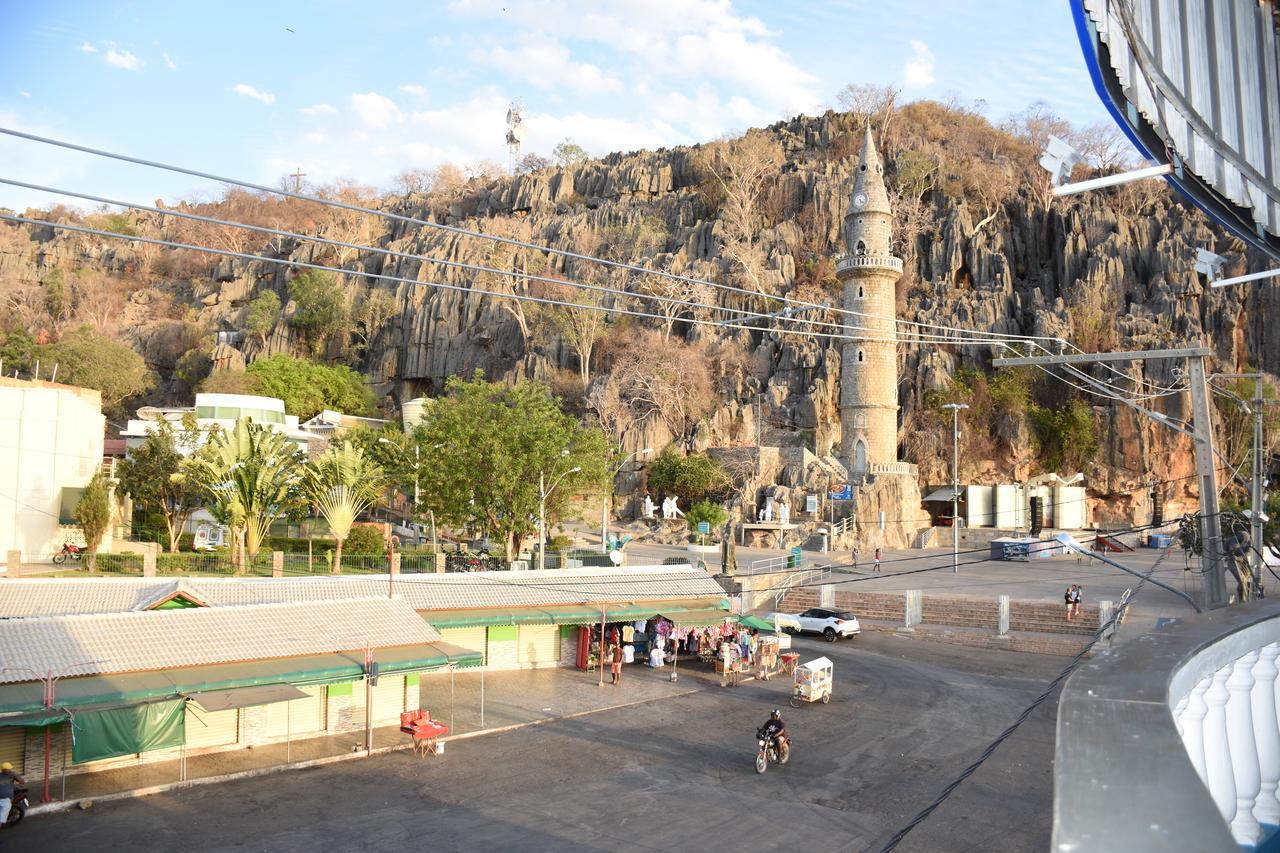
[
  {"x": 342, "y": 483},
  {"x": 253, "y": 474}
]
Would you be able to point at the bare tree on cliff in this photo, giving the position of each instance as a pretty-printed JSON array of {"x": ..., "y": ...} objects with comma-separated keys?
[
  {"x": 670, "y": 381},
  {"x": 865, "y": 101},
  {"x": 740, "y": 170}
]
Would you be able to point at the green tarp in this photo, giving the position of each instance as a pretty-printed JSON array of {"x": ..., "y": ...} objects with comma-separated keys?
[
  {"x": 35, "y": 719},
  {"x": 124, "y": 731}
]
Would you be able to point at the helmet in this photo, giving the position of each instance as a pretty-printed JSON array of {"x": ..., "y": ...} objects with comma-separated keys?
[
  {"x": 6, "y": 766},
  {"x": 775, "y": 714}
]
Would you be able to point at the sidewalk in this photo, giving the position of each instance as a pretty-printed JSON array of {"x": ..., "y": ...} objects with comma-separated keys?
[{"x": 512, "y": 700}]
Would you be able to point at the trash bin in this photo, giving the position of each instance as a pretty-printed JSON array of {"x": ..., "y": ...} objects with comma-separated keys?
[{"x": 794, "y": 558}]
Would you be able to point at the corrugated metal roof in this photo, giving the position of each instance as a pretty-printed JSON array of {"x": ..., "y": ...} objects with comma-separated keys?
[
  {"x": 104, "y": 643},
  {"x": 451, "y": 591},
  {"x": 1205, "y": 77}
]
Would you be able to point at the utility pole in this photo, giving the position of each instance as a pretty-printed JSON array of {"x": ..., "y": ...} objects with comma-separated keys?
[
  {"x": 1257, "y": 509},
  {"x": 955, "y": 483},
  {"x": 1201, "y": 434},
  {"x": 297, "y": 176}
]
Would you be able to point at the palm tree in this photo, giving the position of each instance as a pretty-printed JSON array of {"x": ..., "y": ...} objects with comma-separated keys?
[
  {"x": 252, "y": 472},
  {"x": 342, "y": 482}
]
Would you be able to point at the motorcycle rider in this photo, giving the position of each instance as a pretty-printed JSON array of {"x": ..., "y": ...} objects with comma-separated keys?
[
  {"x": 7, "y": 780},
  {"x": 774, "y": 731}
]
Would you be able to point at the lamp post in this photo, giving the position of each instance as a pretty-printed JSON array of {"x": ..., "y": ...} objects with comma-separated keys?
[
  {"x": 608, "y": 498},
  {"x": 955, "y": 483},
  {"x": 543, "y": 492}
]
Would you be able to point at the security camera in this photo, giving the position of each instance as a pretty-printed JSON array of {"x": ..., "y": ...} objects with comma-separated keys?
[
  {"x": 1209, "y": 264},
  {"x": 1059, "y": 159}
]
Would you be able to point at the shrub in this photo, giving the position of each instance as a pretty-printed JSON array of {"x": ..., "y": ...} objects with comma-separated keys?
[
  {"x": 1066, "y": 438},
  {"x": 712, "y": 513},
  {"x": 690, "y": 478},
  {"x": 365, "y": 539}
]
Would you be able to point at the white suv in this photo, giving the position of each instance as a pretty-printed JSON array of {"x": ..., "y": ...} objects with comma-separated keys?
[{"x": 829, "y": 623}]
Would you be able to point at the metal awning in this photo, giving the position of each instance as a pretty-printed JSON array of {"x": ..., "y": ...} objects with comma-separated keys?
[
  {"x": 246, "y": 697},
  {"x": 566, "y": 614},
  {"x": 36, "y": 719},
  {"x": 698, "y": 618},
  {"x": 943, "y": 495}
]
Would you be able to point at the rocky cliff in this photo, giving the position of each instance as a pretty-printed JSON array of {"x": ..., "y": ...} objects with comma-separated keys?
[{"x": 984, "y": 248}]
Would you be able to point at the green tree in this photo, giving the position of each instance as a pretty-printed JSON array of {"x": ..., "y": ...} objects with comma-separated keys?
[
  {"x": 342, "y": 483},
  {"x": 17, "y": 352},
  {"x": 1066, "y": 438},
  {"x": 252, "y": 474},
  {"x": 91, "y": 360},
  {"x": 709, "y": 511},
  {"x": 690, "y": 478},
  {"x": 306, "y": 387},
  {"x": 569, "y": 152},
  {"x": 484, "y": 446},
  {"x": 263, "y": 313},
  {"x": 366, "y": 539},
  {"x": 93, "y": 514},
  {"x": 147, "y": 475},
  {"x": 320, "y": 309}
]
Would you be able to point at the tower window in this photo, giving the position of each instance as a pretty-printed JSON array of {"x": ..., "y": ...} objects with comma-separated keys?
[
  {"x": 862, "y": 167},
  {"x": 859, "y": 356},
  {"x": 860, "y": 292},
  {"x": 861, "y": 248}
]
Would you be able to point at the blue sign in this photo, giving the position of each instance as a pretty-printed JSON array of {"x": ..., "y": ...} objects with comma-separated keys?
[
  {"x": 704, "y": 527},
  {"x": 842, "y": 493}
]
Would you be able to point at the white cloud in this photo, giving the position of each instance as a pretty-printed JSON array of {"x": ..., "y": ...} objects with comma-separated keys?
[
  {"x": 169, "y": 63},
  {"x": 918, "y": 70},
  {"x": 250, "y": 92},
  {"x": 122, "y": 59},
  {"x": 88, "y": 48},
  {"x": 24, "y": 93},
  {"x": 547, "y": 64},
  {"x": 414, "y": 89},
  {"x": 376, "y": 110},
  {"x": 318, "y": 109}
]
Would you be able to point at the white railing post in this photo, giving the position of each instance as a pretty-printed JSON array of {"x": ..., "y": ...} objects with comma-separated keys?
[
  {"x": 1266, "y": 732},
  {"x": 1244, "y": 750},
  {"x": 1217, "y": 748},
  {"x": 1191, "y": 724}
]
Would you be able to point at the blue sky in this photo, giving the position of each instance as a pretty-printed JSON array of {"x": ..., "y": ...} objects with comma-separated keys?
[{"x": 361, "y": 91}]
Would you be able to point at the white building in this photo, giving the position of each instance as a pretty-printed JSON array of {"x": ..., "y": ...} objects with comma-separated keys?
[
  {"x": 51, "y": 439},
  {"x": 222, "y": 411}
]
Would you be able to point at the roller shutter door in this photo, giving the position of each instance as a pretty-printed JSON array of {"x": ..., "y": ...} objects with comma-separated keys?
[
  {"x": 298, "y": 717},
  {"x": 388, "y": 699},
  {"x": 538, "y": 644},
  {"x": 469, "y": 638},
  {"x": 212, "y": 728},
  {"x": 13, "y": 742}
]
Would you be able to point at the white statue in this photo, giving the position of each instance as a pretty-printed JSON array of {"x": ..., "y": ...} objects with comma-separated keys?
[
  {"x": 648, "y": 506},
  {"x": 671, "y": 507},
  {"x": 784, "y": 512},
  {"x": 766, "y": 514}
]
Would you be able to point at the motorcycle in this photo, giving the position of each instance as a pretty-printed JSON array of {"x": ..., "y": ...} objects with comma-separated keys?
[
  {"x": 75, "y": 552},
  {"x": 777, "y": 750},
  {"x": 18, "y": 806}
]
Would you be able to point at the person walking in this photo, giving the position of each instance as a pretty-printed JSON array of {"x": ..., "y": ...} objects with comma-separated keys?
[
  {"x": 615, "y": 667},
  {"x": 877, "y": 568},
  {"x": 1067, "y": 599},
  {"x": 855, "y": 558},
  {"x": 1078, "y": 591}
]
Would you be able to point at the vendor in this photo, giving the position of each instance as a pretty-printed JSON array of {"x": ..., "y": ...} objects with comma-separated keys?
[{"x": 655, "y": 656}]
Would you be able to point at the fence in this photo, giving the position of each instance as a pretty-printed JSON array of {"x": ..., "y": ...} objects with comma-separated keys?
[{"x": 118, "y": 564}]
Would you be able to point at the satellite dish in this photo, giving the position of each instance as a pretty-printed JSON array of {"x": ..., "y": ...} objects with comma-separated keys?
[{"x": 615, "y": 557}]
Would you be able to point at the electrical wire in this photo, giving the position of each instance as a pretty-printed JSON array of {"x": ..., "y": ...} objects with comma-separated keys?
[
  {"x": 493, "y": 237},
  {"x": 1049, "y": 691}
]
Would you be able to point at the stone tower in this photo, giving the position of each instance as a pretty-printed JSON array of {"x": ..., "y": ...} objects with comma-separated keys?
[{"x": 869, "y": 361}]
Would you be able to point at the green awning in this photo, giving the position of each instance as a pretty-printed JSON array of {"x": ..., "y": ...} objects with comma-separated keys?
[
  {"x": 38, "y": 719},
  {"x": 756, "y": 622},
  {"x": 568, "y": 614},
  {"x": 136, "y": 687},
  {"x": 114, "y": 732},
  {"x": 698, "y": 618}
]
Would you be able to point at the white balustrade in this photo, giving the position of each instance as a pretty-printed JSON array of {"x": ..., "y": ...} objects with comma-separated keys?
[
  {"x": 1266, "y": 732},
  {"x": 1191, "y": 724},
  {"x": 1217, "y": 748},
  {"x": 1244, "y": 750}
]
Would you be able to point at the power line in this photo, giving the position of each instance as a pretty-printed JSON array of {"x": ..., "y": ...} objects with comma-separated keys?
[
  {"x": 453, "y": 229},
  {"x": 565, "y": 282}
]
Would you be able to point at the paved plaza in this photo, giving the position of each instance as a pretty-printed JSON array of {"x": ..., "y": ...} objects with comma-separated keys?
[{"x": 669, "y": 768}]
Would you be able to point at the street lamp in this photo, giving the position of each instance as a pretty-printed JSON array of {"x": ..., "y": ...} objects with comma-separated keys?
[
  {"x": 543, "y": 492},
  {"x": 955, "y": 483},
  {"x": 608, "y": 498}
]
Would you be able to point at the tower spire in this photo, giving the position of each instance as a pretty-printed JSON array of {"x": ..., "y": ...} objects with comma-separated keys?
[{"x": 868, "y": 180}]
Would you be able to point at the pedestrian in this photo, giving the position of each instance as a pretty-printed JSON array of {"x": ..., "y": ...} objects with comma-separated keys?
[
  {"x": 855, "y": 558},
  {"x": 877, "y": 558},
  {"x": 615, "y": 668},
  {"x": 1067, "y": 597},
  {"x": 1075, "y": 601}
]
